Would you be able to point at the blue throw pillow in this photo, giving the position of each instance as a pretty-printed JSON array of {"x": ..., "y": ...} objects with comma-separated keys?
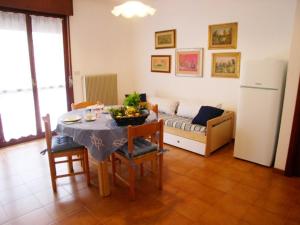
[{"x": 206, "y": 113}]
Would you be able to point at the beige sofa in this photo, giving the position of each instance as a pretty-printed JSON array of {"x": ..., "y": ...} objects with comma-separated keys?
[{"x": 180, "y": 132}]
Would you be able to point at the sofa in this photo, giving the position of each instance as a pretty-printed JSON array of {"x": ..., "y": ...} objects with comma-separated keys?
[{"x": 179, "y": 130}]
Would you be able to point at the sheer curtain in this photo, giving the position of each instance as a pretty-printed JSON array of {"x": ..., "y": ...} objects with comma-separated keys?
[
  {"x": 49, "y": 65},
  {"x": 16, "y": 97}
]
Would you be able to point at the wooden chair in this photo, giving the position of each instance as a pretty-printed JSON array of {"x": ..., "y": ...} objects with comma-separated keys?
[
  {"x": 64, "y": 146},
  {"x": 154, "y": 108},
  {"x": 81, "y": 105},
  {"x": 139, "y": 150}
]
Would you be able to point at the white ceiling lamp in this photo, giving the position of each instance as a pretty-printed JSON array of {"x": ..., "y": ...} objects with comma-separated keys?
[{"x": 133, "y": 9}]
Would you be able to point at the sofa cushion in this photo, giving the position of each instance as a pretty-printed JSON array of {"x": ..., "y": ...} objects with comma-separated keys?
[
  {"x": 182, "y": 123},
  {"x": 188, "y": 109},
  {"x": 191, "y": 108},
  {"x": 206, "y": 113},
  {"x": 164, "y": 105}
]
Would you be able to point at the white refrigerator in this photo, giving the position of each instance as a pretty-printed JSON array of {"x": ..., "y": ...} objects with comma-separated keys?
[{"x": 259, "y": 111}]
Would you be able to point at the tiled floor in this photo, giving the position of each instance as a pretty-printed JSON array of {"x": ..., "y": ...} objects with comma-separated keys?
[{"x": 197, "y": 190}]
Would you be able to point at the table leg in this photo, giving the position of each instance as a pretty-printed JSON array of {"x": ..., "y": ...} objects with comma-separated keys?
[{"x": 103, "y": 178}]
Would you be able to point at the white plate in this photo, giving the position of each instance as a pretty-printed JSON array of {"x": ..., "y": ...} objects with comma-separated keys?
[
  {"x": 90, "y": 119},
  {"x": 72, "y": 118}
]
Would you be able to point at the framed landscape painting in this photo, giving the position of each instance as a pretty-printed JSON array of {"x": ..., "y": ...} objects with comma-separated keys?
[
  {"x": 226, "y": 64},
  {"x": 161, "y": 63},
  {"x": 165, "y": 39},
  {"x": 222, "y": 36},
  {"x": 189, "y": 62}
]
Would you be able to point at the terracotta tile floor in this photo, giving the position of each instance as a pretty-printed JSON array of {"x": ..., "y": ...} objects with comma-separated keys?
[{"x": 197, "y": 190}]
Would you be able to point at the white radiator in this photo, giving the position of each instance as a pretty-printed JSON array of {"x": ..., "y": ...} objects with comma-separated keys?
[{"x": 102, "y": 88}]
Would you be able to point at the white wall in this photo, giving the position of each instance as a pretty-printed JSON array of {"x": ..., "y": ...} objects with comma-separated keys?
[
  {"x": 103, "y": 43},
  {"x": 100, "y": 43},
  {"x": 265, "y": 28},
  {"x": 290, "y": 95}
]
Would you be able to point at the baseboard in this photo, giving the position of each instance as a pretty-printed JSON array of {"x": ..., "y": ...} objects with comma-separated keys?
[{"x": 278, "y": 171}]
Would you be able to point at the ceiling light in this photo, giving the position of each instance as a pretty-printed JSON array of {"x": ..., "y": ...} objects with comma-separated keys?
[{"x": 133, "y": 8}]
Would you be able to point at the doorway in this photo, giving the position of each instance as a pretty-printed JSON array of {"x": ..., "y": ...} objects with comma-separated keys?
[
  {"x": 293, "y": 161},
  {"x": 33, "y": 74}
]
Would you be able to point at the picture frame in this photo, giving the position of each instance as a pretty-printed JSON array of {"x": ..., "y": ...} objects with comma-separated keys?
[
  {"x": 222, "y": 36},
  {"x": 161, "y": 63},
  {"x": 226, "y": 65},
  {"x": 189, "y": 62},
  {"x": 165, "y": 39}
]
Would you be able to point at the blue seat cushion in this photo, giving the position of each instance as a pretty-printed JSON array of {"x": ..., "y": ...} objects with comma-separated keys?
[
  {"x": 63, "y": 143},
  {"x": 141, "y": 147}
]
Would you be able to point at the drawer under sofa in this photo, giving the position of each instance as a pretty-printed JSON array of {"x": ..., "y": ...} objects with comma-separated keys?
[{"x": 185, "y": 143}]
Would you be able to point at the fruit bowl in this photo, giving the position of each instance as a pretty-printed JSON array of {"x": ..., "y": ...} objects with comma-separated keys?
[{"x": 131, "y": 120}]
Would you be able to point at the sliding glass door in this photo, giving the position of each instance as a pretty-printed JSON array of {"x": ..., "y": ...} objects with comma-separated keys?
[
  {"x": 49, "y": 65},
  {"x": 32, "y": 74},
  {"x": 16, "y": 93}
]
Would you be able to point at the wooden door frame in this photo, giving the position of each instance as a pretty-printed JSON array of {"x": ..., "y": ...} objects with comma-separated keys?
[
  {"x": 68, "y": 73},
  {"x": 294, "y": 146},
  {"x": 68, "y": 62},
  {"x": 33, "y": 75}
]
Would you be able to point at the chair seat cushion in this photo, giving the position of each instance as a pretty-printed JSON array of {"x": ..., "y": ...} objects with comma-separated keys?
[
  {"x": 63, "y": 143},
  {"x": 141, "y": 147}
]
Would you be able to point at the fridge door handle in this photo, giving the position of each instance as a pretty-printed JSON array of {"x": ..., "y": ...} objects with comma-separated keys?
[{"x": 257, "y": 87}]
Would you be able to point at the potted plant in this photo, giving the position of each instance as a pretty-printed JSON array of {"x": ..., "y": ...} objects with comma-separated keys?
[
  {"x": 132, "y": 100},
  {"x": 131, "y": 113}
]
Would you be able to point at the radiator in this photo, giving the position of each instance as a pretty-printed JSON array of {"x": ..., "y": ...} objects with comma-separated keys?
[{"x": 102, "y": 88}]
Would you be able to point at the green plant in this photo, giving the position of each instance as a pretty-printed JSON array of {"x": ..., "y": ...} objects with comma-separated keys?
[
  {"x": 117, "y": 111},
  {"x": 132, "y": 100}
]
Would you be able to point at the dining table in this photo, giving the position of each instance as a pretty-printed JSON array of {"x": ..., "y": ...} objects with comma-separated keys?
[{"x": 100, "y": 135}]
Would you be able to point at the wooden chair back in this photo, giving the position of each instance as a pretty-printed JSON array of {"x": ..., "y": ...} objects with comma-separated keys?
[
  {"x": 81, "y": 105},
  {"x": 146, "y": 130},
  {"x": 48, "y": 132},
  {"x": 153, "y": 108}
]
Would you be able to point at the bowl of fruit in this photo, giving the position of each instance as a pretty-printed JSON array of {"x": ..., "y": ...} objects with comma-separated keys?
[{"x": 130, "y": 113}]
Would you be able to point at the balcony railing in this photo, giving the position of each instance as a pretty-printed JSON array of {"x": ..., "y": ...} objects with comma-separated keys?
[{"x": 18, "y": 111}]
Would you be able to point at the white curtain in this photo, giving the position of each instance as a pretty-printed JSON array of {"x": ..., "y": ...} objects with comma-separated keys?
[
  {"x": 16, "y": 97},
  {"x": 12, "y": 21},
  {"x": 49, "y": 65}
]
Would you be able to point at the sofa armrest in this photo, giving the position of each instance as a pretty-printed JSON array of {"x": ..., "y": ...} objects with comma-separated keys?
[
  {"x": 219, "y": 132},
  {"x": 220, "y": 119}
]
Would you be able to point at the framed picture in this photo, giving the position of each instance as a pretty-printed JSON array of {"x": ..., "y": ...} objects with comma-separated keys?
[
  {"x": 222, "y": 36},
  {"x": 226, "y": 64},
  {"x": 189, "y": 62},
  {"x": 161, "y": 63},
  {"x": 165, "y": 39}
]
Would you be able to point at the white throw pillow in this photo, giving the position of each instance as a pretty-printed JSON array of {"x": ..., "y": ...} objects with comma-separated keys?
[
  {"x": 188, "y": 109},
  {"x": 165, "y": 105},
  {"x": 191, "y": 109}
]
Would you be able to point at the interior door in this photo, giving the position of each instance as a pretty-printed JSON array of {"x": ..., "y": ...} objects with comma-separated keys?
[{"x": 293, "y": 160}]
